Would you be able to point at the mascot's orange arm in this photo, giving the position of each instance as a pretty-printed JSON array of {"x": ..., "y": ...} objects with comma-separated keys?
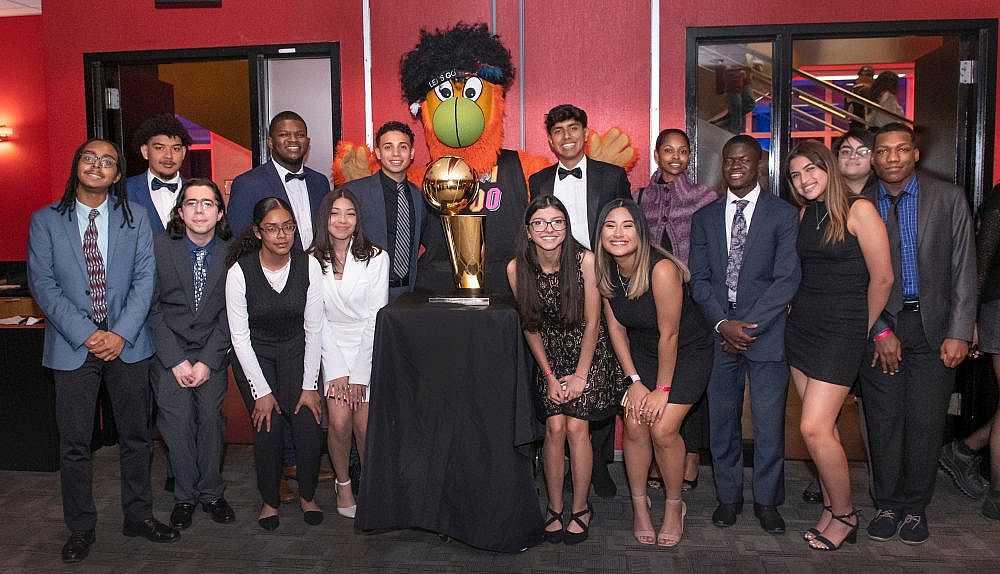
[{"x": 352, "y": 161}]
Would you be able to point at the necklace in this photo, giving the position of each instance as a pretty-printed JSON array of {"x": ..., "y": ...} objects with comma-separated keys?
[
  {"x": 819, "y": 220},
  {"x": 621, "y": 279}
]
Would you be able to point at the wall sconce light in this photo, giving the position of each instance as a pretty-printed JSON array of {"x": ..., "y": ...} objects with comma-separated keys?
[{"x": 6, "y": 133}]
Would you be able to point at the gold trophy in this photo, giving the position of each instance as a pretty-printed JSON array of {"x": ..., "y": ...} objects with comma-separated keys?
[{"x": 449, "y": 186}]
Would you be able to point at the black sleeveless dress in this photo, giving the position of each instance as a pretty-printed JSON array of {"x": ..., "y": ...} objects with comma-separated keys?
[
  {"x": 827, "y": 328},
  {"x": 694, "y": 340},
  {"x": 602, "y": 392}
]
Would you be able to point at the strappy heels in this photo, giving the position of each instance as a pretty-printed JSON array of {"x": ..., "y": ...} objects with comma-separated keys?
[
  {"x": 578, "y": 537},
  {"x": 814, "y": 532},
  {"x": 824, "y": 543},
  {"x": 671, "y": 539},
  {"x": 646, "y": 537},
  {"x": 553, "y": 536},
  {"x": 346, "y": 511}
]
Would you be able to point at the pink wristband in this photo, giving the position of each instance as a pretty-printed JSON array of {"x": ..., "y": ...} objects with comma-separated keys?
[
  {"x": 882, "y": 335},
  {"x": 664, "y": 388}
]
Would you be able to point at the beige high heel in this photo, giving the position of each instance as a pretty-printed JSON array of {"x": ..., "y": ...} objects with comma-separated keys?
[
  {"x": 671, "y": 539},
  {"x": 346, "y": 511},
  {"x": 645, "y": 537}
]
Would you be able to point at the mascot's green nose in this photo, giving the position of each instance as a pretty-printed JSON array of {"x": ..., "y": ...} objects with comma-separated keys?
[{"x": 458, "y": 122}]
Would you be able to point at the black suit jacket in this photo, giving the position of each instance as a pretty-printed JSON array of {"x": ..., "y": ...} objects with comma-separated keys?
[
  {"x": 946, "y": 260},
  {"x": 604, "y": 183},
  {"x": 178, "y": 331},
  {"x": 263, "y": 181}
]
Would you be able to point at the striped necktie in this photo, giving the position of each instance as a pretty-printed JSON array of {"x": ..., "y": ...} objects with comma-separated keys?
[{"x": 401, "y": 251}]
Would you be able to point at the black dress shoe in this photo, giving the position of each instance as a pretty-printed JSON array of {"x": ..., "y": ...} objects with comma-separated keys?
[
  {"x": 725, "y": 514},
  {"x": 604, "y": 485},
  {"x": 78, "y": 546},
  {"x": 268, "y": 523},
  {"x": 180, "y": 518},
  {"x": 151, "y": 529},
  {"x": 770, "y": 520},
  {"x": 312, "y": 517},
  {"x": 220, "y": 510}
]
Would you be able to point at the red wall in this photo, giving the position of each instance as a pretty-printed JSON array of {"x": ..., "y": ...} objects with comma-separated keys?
[
  {"x": 73, "y": 28},
  {"x": 24, "y": 161}
]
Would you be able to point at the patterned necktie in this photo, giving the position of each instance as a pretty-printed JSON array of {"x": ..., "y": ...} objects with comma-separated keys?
[
  {"x": 200, "y": 274},
  {"x": 401, "y": 253},
  {"x": 95, "y": 271},
  {"x": 736, "y": 244}
]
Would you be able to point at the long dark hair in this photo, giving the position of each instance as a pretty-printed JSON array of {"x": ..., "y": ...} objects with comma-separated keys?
[
  {"x": 640, "y": 281},
  {"x": 362, "y": 249},
  {"x": 570, "y": 292},
  {"x": 887, "y": 81},
  {"x": 248, "y": 242},
  {"x": 176, "y": 226},
  {"x": 118, "y": 190}
]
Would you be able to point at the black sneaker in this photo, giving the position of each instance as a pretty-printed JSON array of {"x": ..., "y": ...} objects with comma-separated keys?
[
  {"x": 913, "y": 529},
  {"x": 991, "y": 505},
  {"x": 884, "y": 526},
  {"x": 962, "y": 465}
]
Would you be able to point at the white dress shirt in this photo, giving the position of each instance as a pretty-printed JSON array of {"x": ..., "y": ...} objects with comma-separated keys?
[
  {"x": 239, "y": 324},
  {"x": 350, "y": 305},
  {"x": 298, "y": 198},
  {"x": 163, "y": 198},
  {"x": 573, "y": 193}
]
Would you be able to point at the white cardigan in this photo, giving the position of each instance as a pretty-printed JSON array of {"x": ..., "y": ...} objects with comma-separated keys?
[{"x": 349, "y": 309}]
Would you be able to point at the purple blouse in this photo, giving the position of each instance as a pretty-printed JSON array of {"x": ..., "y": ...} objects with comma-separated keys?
[{"x": 668, "y": 208}]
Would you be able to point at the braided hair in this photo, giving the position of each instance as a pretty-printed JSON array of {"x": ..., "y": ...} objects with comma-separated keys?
[{"x": 118, "y": 189}]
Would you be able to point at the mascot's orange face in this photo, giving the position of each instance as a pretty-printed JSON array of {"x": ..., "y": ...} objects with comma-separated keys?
[{"x": 460, "y": 110}]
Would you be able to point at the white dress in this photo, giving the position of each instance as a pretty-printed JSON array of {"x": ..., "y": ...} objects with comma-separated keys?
[{"x": 350, "y": 305}]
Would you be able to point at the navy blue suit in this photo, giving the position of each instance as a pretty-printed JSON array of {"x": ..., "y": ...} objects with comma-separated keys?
[
  {"x": 263, "y": 181},
  {"x": 138, "y": 192},
  {"x": 769, "y": 278}
]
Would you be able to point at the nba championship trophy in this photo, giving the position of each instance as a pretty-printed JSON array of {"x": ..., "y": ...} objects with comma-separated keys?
[{"x": 449, "y": 185}]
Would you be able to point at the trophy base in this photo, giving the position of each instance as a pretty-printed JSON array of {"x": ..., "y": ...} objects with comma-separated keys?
[{"x": 461, "y": 296}]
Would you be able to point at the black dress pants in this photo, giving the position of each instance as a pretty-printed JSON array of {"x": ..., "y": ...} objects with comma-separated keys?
[
  {"x": 906, "y": 414},
  {"x": 76, "y": 398}
]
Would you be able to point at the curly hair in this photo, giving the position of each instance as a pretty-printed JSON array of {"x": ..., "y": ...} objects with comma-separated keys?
[
  {"x": 161, "y": 125},
  {"x": 466, "y": 47}
]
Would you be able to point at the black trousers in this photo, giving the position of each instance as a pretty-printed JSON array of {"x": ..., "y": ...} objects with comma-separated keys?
[
  {"x": 906, "y": 414},
  {"x": 76, "y": 398},
  {"x": 269, "y": 447},
  {"x": 602, "y": 442},
  {"x": 694, "y": 428}
]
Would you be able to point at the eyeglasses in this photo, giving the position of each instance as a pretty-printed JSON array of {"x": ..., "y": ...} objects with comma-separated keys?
[
  {"x": 847, "y": 152},
  {"x": 101, "y": 161},
  {"x": 194, "y": 204},
  {"x": 274, "y": 230},
  {"x": 540, "y": 224}
]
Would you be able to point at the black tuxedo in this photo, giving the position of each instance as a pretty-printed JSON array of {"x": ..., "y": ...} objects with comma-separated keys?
[
  {"x": 190, "y": 419},
  {"x": 604, "y": 183}
]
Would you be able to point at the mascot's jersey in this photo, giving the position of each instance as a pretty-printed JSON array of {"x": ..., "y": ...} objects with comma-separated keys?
[{"x": 503, "y": 202}]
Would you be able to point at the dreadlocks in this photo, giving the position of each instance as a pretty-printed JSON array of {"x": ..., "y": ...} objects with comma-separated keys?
[{"x": 117, "y": 190}]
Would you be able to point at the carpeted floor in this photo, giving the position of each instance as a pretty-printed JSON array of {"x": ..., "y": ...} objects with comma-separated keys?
[{"x": 32, "y": 533}]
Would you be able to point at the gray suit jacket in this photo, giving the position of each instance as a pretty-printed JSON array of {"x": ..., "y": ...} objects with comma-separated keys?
[
  {"x": 57, "y": 276},
  {"x": 180, "y": 332},
  {"x": 946, "y": 259},
  {"x": 371, "y": 214}
]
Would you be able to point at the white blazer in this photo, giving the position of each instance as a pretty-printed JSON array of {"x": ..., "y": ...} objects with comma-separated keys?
[{"x": 349, "y": 309}]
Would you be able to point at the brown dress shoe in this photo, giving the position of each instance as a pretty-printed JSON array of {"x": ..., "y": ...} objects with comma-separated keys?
[{"x": 286, "y": 492}]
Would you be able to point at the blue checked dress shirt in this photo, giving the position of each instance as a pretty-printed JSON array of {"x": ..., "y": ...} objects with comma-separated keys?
[{"x": 906, "y": 211}]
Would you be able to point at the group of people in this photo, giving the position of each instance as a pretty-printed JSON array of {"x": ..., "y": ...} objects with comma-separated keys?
[{"x": 657, "y": 307}]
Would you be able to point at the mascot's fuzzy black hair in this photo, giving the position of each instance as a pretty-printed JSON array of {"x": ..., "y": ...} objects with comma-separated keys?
[{"x": 466, "y": 47}]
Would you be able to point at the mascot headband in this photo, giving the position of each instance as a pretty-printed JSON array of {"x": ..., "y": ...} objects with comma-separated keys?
[{"x": 489, "y": 73}]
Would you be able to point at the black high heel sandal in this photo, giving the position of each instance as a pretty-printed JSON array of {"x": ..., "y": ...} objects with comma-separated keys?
[
  {"x": 578, "y": 537},
  {"x": 851, "y": 538},
  {"x": 814, "y": 532},
  {"x": 553, "y": 536}
]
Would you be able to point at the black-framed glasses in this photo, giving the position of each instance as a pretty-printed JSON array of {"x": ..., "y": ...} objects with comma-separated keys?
[
  {"x": 557, "y": 224},
  {"x": 101, "y": 161},
  {"x": 275, "y": 230}
]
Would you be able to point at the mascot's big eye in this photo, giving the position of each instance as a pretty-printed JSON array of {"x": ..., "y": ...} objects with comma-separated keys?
[
  {"x": 444, "y": 90},
  {"x": 473, "y": 88}
]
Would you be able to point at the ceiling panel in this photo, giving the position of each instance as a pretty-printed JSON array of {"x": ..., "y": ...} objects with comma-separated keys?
[{"x": 20, "y": 7}]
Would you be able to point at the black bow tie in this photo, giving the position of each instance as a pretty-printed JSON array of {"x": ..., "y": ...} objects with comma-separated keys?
[
  {"x": 299, "y": 176},
  {"x": 157, "y": 184},
  {"x": 575, "y": 172}
]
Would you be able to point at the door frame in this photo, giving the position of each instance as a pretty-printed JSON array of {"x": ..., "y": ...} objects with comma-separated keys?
[
  {"x": 97, "y": 65},
  {"x": 977, "y": 161}
]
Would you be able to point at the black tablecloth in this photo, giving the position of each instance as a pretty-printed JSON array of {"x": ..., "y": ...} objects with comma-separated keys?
[
  {"x": 29, "y": 437},
  {"x": 450, "y": 423}
]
